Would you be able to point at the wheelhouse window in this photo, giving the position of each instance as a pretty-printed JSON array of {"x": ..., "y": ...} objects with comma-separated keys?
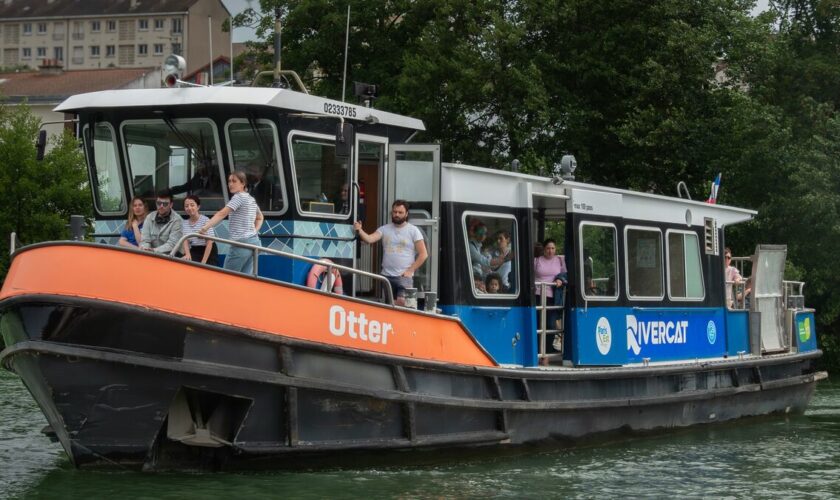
[
  {"x": 320, "y": 176},
  {"x": 254, "y": 149},
  {"x": 179, "y": 155},
  {"x": 644, "y": 263},
  {"x": 492, "y": 250},
  {"x": 685, "y": 270},
  {"x": 598, "y": 261},
  {"x": 101, "y": 151}
]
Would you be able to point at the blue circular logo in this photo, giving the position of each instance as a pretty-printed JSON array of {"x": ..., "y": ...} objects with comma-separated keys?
[{"x": 711, "y": 332}]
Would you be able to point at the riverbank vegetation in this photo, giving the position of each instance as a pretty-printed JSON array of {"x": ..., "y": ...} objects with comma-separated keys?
[{"x": 644, "y": 94}]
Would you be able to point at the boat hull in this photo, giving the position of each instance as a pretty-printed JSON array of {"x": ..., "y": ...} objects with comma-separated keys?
[{"x": 156, "y": 390}]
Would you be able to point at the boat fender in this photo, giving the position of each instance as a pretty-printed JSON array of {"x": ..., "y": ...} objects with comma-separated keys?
[{"x": 317, "y": 278}]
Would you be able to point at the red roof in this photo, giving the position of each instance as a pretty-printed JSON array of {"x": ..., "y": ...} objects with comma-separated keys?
[{"x": 36, "y": 85}]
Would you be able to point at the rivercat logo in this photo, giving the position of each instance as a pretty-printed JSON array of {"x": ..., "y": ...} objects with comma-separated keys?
[
  {"x": 603, "y": 335},
  {"x": 642, "y": 333},
  {"x": 357, "y": 326}
]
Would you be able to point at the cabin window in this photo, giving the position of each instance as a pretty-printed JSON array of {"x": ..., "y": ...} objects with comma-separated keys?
[
  {"x": 492, "y": 253},
  {"x": 320, "y": 176},
  {"x": 254, "y": 149},
  {"x": 644, "y": 263},
  {"x": 179, "y": 155},
  {"x": 108, "y": 191},
  {"x": 685, "y": 270},
  {"x": 598, "y": 260}
]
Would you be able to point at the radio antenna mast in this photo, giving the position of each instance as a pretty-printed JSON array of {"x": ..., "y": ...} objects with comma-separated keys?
[{"x": 346, "y": 49}]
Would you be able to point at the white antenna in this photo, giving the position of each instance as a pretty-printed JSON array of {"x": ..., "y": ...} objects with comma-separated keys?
[
  {"x": 210, "y": 33},
  {"x": 346, "y": 49}
]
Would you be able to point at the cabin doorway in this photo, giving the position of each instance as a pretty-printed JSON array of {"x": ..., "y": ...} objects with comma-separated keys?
[
  {"x": 415, "y": 177},
  {"x": 549, "y": 223},
  {"x": 371, "y": 190}
]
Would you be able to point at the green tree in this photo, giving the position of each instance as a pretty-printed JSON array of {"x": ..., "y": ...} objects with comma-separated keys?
[{"x": 40, "y": 195}]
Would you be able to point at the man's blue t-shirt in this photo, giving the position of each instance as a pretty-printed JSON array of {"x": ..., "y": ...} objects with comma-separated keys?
[{"x": 128, "y": 234}]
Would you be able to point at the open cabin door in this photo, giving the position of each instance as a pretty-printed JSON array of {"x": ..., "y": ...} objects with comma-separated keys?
[
  {"x": 414, "y": 176},
  {"x": 768, "y": 296}
]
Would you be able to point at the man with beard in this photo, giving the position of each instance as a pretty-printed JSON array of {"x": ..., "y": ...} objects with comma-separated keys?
[
  {"x": 402, "y": 246},
  {"x": 162, "y": 228}
]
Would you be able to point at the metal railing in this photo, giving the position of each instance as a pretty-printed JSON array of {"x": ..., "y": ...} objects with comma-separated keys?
[
  {"x": 543, "y": 330},
  {"x": 794, "y": 296},
  {"x": 257, "y": 250}
]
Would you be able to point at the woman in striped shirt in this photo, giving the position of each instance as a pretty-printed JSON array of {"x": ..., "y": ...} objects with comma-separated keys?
[
  {"x": 198, "y": 249},
  {"x": 243, "y": 226}
]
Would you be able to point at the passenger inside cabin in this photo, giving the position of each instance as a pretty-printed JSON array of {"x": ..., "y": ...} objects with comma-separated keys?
[
  {"x": 131, "y": 235},
  {"x": 480, "y": 260},
  {"x": 162, "y": 228},
  {"x": 503, "y": 257},
  {"x": 493, "y": 283},
  {"x": 198, "y": 249}
]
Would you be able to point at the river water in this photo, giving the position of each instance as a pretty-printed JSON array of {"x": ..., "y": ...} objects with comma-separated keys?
[{"x": 773, "y": 457}]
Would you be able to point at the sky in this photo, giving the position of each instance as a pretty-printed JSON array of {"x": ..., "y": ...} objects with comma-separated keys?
[{"x": 235, "y": 7}]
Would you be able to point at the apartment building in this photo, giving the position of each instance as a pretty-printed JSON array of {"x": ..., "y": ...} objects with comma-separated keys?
[{"x": 92, "y": 34}]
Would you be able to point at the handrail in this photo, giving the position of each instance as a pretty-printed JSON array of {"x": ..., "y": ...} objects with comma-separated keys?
[
  {"x": 542, "y": 327},
  {"x": 257, "y": 249},
  {"x": 14, "y": 243}
]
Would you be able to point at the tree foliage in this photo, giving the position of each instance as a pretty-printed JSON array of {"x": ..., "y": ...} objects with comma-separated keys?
[{"x": 39, "y": 196}]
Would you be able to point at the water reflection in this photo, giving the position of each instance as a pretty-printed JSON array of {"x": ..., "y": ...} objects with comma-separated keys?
[{"x": 775, "y": 457}]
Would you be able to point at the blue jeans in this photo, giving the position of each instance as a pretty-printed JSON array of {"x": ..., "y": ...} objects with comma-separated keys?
[{"x": 241, "y": 259}]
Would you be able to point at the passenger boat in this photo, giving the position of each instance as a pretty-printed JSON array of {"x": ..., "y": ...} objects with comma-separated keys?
[{"x": 149, "y": 361}]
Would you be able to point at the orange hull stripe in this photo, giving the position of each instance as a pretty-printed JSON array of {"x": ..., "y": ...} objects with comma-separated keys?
[{"x": 135, "y": 278}]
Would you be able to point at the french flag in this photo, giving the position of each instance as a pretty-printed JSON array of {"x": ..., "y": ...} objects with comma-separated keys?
[{"x": 714, "y": 192}]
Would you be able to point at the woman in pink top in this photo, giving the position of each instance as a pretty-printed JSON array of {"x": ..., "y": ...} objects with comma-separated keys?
[
  {"x": 548, "y": 266},
  {"x": 547, "y": 269}
]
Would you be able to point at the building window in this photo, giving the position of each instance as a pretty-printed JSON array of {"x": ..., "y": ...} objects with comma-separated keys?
[
  {"x": 78, "y": 55},
  {"x": 176, "y": 25},
  {"x": 598, "y": 261},
  {"x": 95, "y": 26},
  {"x": 158, "y": 49},
  {"x": 143, "y": 49},
  {"x": 58, "y": 31},
  {"x": 644, "y": 263},
  {"x": 158, "y": 24},
  {"x": 94, "y": 51},
  {"x": 110, "y": 50},
  {"x": 491, "y": 249},
  {"x": 42, "y": 52},
  {"x": 176, "y": 49},
  {"x": 143, "y": 24},
  {"x": 111, "y": 26},
  {"x": 27, "y": 53},
  {"x": 42, "y": 28},
  {"x": 27, "y": 28},
  {"x": 58, "y": 53}
]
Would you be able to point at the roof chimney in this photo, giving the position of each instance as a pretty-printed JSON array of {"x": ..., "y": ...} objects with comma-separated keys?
[{"x": 50, "y": 67}]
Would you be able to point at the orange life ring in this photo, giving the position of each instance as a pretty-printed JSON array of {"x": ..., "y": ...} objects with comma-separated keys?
[{"x": 318, "y": 273}]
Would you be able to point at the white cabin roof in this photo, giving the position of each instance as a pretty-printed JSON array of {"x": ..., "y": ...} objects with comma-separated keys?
[
  {"x": 469, "y": 184},
  {"x": 235, "y": 96}
]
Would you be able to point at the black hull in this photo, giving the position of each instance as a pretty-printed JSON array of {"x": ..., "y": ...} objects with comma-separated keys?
[{"x": 243, "y": 397}]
